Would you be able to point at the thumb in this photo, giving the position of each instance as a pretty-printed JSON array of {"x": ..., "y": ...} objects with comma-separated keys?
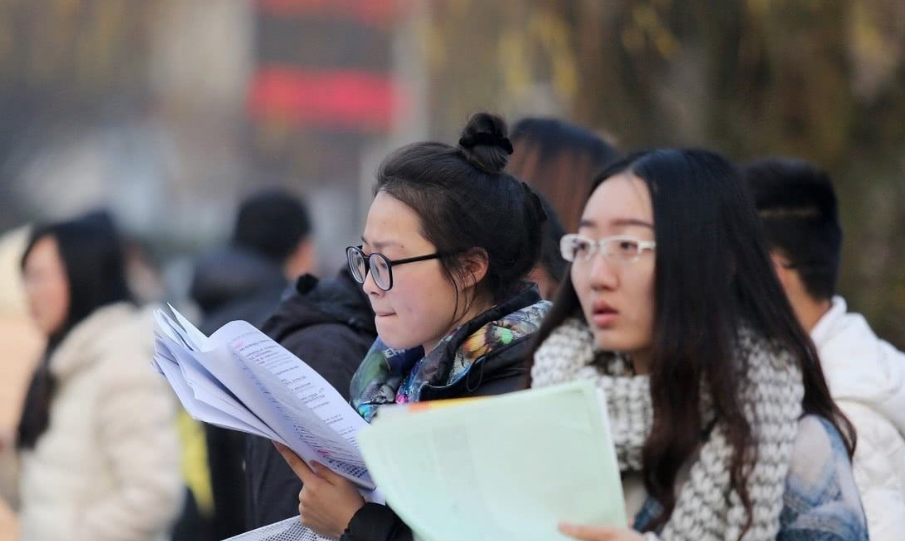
[{"x": 587, "y": 533}]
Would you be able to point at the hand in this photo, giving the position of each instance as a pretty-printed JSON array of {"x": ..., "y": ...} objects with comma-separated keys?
[
  {"x": 327, "y": 501},
  {"x": 599, "y": 533}
]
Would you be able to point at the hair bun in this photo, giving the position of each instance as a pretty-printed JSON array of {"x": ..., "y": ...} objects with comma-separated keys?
[{"x": 485, "y": 142}]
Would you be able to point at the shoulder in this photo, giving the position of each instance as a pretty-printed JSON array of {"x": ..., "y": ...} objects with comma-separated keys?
[
  {"x": 124, "y": 351},
  {"x": 877, "y": 435},
  {"x": 820, "y": 498},
  {"x": 108, "y": 332},
  {"x": 340, "y": 338}
]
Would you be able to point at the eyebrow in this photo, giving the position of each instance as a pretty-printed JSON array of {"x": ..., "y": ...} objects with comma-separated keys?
[
  {"x": 380, "y": 245},
  {"x": 618, "y": 222}
]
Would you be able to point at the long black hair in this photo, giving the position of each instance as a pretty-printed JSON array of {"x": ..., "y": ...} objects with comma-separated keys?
[
  {"x": 92, "y": 255},
  {"x": 713, "y": 276}
]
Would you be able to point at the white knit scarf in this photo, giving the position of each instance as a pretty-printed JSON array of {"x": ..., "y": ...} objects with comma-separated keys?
[{"x": 706, "y": 508}]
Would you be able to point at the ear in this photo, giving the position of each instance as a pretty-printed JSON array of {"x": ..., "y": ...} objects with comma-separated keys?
[{"x": 475, "y": 263}]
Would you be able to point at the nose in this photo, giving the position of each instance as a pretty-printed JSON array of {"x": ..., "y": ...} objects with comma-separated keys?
[
  {"x": 602, "y": 274},
  {"x": 370, "y": 286}
]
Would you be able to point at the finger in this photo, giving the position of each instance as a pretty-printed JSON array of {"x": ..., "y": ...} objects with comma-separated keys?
[
  {"x": 587, "y": 533},
  {"x": 327, "y": 474},
  {"x": 296, "y": 463}
]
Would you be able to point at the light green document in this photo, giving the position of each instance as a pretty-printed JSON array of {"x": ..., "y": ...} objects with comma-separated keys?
[{"x": 507, "y": 468}]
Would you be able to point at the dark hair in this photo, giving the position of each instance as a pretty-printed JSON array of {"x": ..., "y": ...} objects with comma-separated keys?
[
  {"x": 466, "y": 202},
  {"x": 551, "y": 258},
  {"x": 92, "y": 255},
  {"x": 559, "y": 160},
  {"x": 713, "y": 276},
  {"x": 272, "y": 223},
  {"x": 797, "y": 207}
]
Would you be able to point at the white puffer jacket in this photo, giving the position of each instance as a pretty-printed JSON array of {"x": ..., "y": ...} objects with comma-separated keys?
[
  {"x": 867, "y": 379},
  {"x": 107, "y": 468}
]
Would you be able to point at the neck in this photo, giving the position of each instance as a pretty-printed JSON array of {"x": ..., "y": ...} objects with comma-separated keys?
[
  {"x": 809, "y": 311},
  {"x": 641, "y": 360}
]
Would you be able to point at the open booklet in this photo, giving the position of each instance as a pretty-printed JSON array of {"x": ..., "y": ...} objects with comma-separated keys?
[
  {"x": 505, "y": 468},
  {"x": 240, "y": 379}
]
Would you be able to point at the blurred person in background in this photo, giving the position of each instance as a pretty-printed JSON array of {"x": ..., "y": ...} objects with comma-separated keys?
[
  {"x": 866, "y": 375},
  {"x": 328, "y": 324},
  {"x": 97, "y": 448},
  {"x": 551, "y": 268},
  {"x": 559, "y": 160},
  {"x": 271, "y": 246},
  {"x": 20, "y": 347}
]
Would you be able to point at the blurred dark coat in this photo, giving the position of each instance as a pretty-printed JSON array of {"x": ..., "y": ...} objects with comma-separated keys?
[{"x": 328, "y": 324}]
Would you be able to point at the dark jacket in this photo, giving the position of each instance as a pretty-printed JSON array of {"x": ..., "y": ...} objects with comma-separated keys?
[
  {"x": 232, "y": 284},
  {"x": 235, "y": 284},
  {"x": 329, "y": 325},
  {"x": 504, "y": 370}
]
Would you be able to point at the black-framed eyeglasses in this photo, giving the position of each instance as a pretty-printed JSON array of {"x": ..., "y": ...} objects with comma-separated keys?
[{"x": 379, "y": 265}]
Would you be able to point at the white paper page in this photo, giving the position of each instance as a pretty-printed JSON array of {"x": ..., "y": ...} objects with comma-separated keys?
[
  {"x": 197, "y": 339},
  {"x": 325, "y": 434},
  {"x": 169, "y": 329},
  {"x": 163, "y": 326},
  {"x": 203, "y": 412},
  {"x": 506, "y": 468},
  {"x": 228, "y": 368},
  {"x": 290, "y": 529},
  {"x": 207, "y": 390},
  {"x": 319, "y": 414}
]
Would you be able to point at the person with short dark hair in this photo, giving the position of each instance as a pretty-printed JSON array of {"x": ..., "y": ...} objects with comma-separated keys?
[
  {"x": 723, "y": 424},
  {"x": 866, "y": 375},
  {"x": 449, "y": 240},
  {"x": 271, "y": 246},
  {"x": 275, "y": 225},
  {"x": 98, "y": 447}
]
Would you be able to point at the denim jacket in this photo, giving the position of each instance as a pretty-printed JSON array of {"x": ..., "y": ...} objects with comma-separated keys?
[{"x": 821, "y": 501}]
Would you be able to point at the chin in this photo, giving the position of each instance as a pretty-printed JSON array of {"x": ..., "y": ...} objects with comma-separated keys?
[
  {"x": 610, "y": 340},
  {"x": 391, "y": 336}
]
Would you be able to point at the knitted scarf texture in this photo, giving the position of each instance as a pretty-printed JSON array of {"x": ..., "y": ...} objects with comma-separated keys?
[{"x": 707, "y": 509}]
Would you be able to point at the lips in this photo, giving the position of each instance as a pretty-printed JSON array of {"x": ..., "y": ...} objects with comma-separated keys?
[{"x": 603, "y": 315}]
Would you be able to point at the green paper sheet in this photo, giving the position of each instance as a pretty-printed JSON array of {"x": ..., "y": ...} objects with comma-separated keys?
[{"x": 507, "y": 468}]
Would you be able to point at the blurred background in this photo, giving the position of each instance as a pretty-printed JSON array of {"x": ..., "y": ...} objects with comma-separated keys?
[{"x": 170, "y": 112}]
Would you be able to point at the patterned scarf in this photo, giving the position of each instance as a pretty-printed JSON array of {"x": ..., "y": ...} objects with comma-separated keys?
[
  {"x": 388, "y": 375},
  {"x": 706, "y": 508}
]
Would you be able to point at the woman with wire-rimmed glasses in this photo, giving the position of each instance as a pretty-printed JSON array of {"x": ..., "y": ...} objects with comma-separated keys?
[{"x": 448, "y": 242}]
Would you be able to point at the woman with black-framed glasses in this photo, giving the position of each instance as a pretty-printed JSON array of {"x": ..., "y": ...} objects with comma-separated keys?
[
  {"x": 360, "y": 264},
  {"x": 448, "y": 243}
]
